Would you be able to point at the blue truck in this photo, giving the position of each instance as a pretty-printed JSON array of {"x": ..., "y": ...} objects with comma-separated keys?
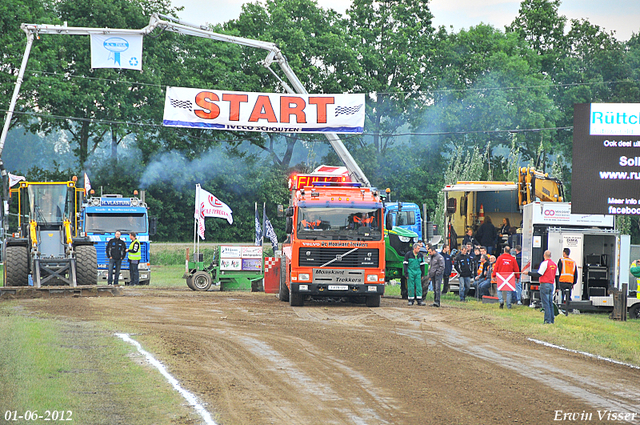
[{"x": 102, "y": 216}]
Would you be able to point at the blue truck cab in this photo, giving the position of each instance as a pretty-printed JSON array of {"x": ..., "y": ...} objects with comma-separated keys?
[
  {"x": 102, "y": 216},
  {"x": 404, "y": 214}
]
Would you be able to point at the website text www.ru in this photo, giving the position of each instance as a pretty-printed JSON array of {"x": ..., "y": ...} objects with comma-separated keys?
[{"x": 619, "y": 175}]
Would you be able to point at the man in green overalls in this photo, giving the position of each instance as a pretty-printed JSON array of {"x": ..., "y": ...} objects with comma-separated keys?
[{"x": 414, "y": 270}]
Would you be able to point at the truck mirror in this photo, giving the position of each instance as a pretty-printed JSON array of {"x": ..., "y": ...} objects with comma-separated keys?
[
  {"x": 289, "y": 227},
  {"x": 290, "y": 212},
  {"x": 280, "y": 212},
  {"x": 399, "y": 206},
  {"x": 389, "y": 222},
  {"x": 452, "y": 204},
  {"x": 153, "y": 225}
]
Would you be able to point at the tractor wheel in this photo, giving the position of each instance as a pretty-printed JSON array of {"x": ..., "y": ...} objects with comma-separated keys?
[
  {"x": 373, "y": 301},
  {"x": 283, "y": 294},
  {"x": 201, "y": 281},
  {"x": 189, "y": 280},
  {"x": 86, "y": 265},
  {"x": 16, "y": 266},
  {"x": 634, "y": 311}
]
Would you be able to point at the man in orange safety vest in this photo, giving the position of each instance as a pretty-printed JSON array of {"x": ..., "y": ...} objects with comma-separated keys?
[{"x": 566, "y": 276}]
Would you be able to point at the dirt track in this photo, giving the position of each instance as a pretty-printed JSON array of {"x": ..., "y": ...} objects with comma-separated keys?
[{"x": 255, "y": 360}]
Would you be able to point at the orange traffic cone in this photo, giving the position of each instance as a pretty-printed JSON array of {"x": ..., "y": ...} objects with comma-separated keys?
[{"x": 481, "y": 216}]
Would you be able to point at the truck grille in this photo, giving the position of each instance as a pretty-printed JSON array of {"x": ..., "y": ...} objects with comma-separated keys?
[{"x": 308, "y": 257}]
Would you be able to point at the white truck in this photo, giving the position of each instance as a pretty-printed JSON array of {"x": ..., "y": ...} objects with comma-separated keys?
[{"x": 599, "y": 250}]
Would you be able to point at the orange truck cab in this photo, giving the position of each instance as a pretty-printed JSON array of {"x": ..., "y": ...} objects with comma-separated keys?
[{"x": 335, "y": 245}]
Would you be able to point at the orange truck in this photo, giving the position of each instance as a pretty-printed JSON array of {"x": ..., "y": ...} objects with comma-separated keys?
[{"x": 335, "y": 246}]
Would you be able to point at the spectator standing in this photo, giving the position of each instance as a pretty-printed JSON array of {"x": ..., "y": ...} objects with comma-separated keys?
[
  {"x": 448, "y": 265},
  {"x": 546, "y": 275},
  {"x": 414, "y": 270},
  {"x": 506, "y": 264},
  {"x": 567, "y": 276},
  {"x": 116, "y": 251},
  {"x": 135, "y": 255},
  {"x": 487, "y": 235},
  {"x": 518, "y": 293},
  {"x": 436, "y": 270},
  {"x": 463, "y": 265}
]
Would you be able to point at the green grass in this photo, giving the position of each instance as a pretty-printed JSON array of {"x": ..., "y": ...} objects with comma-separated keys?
[
  {"x": 49, "y": 364},
  {"x": 168, "y": 276}
]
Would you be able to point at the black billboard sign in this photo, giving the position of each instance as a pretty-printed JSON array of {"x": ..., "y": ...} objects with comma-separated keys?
[{"x": 606, "y": 159}]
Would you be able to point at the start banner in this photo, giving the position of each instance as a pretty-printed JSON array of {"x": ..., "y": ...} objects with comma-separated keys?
[{"x": 270, "y": 112}]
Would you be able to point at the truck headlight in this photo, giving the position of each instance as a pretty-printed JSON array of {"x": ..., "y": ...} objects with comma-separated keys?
[
  {"x": 372, "y": 278},
  {"x": 404, "y": 239},
  {"x": 303, "y": 276},
  {"x": 303, "y": 287}
]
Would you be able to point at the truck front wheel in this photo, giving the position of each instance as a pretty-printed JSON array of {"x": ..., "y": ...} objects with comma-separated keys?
[
  {"x": 373, "y": 301},
  {"x": 634, "y": 311},
  {"x": 283, "y": 293}
]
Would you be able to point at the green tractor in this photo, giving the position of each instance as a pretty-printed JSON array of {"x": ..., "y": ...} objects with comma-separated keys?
[{"x": 398, "y": 242}]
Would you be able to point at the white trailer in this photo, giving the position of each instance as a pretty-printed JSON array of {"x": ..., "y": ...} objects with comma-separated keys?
[{"x": 598, "y": 248}]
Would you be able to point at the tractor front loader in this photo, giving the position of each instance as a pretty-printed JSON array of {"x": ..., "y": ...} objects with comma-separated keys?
[{"x": 46, "y": 244}]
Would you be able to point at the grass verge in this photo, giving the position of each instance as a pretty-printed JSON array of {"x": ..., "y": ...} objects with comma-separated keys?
[{"x": 82, "y": 370}]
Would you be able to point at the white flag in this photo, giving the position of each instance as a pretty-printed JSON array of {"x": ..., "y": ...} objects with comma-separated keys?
[
  {"x": 208, "y": 205},
  {"x": 13, "y": 179},
  {"x": 122, "y": 51},
  {"x": 87, "y": 185}
]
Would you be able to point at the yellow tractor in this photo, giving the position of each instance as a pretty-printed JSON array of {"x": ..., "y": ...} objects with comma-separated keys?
[
  {"x": 46, "y": 246},
  {"x": 534, "y": 185}
]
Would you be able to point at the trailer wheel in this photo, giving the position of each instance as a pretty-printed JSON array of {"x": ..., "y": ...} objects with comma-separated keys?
[
  {"x": 86, "y": 265},
  {"x": 189, "y": 280},
  {"x": 634, "y": 311},
  {"x": 201, "y": 281},
  {"x": 16, "y": 266},
  {"x": 283, "y": 293},
  {"x": 373, "y": 301},
  {"x": 296, "y": 299}
]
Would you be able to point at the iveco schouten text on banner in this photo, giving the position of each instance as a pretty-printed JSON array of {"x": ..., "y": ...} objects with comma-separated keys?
[
  {"x": 270, "y": 112},
  {"x": 606, "y": 159}
]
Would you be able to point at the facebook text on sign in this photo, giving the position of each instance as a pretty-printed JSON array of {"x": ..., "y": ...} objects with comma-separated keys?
[{"x": 269, "y": 112}]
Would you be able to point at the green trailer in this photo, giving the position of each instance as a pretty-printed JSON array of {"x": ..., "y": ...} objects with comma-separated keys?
[{"x": 232, "y": 268}]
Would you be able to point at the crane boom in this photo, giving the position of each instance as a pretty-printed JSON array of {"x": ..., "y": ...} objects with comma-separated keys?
[{"x": 181, "y": 27}]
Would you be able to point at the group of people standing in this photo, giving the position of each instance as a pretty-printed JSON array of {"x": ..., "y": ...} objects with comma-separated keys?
[
  {"x": 116, "y": 251},
  {"x": 439, "y": 271}
]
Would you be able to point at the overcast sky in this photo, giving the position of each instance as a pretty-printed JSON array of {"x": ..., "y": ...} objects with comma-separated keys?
[{"x": 621, "y": 16}]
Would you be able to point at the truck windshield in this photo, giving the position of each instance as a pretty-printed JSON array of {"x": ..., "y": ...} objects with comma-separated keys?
[
  {"x": 109, "y": 223},
  {"x": 47, "y": 202},
  {"x": 339, "y": 223}
]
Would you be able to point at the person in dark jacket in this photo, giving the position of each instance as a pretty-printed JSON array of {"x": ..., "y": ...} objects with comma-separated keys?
[
  {"x": 483, "y": 278},
  {"x": 116, "y": 250},
  {"x": 487, "y": 235},
  {"x": 436, "y": 270},
  {"x": 448, "y": 266},
  {"x": 463, "y": 265},
  {"x": 469, "y": 239}
]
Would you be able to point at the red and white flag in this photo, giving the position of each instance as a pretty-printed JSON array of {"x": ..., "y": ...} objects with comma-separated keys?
[
  {"x": 208, "y": 205},
  {"x": 506, "y": 281},
  {"x": 87, "y": 185},
  {"x": 14, "y": 179}
]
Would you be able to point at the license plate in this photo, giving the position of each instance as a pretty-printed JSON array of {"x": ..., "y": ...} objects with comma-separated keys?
[{"x": 338, "y": 287}]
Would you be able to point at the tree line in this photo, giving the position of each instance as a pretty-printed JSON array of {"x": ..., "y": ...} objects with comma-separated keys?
[{"x": 436, "y": 99}]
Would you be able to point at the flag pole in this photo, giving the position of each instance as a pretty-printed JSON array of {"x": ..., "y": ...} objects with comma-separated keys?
[{"x": 264, "y": 219}]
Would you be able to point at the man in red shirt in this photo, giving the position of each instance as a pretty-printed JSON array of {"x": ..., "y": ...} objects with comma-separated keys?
[
  {"x": 546, "y": 276},
  {"x": 506, "y": 269}
]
